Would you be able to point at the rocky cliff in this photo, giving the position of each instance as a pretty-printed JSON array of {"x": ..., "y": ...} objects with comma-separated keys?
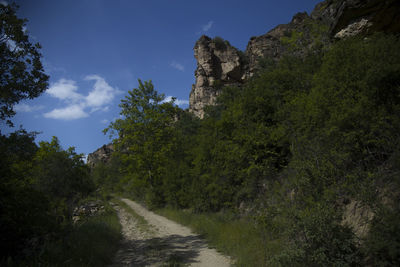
[
  {"x": 220, "y": 64},
  {"x": 103, "y": 154}
]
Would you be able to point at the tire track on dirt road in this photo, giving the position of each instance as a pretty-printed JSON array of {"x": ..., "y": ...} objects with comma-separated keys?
[{"x": 166, "y": 243}]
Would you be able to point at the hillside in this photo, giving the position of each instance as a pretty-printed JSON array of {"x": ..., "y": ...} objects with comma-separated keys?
[
  {"x": 296, "y": 138},
  {"x": 288, "y": 155}
]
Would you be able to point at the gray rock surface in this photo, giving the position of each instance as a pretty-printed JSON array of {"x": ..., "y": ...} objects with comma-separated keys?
[
  {"x": 354, "y": 28},
  {"x": 103, "y": 154},
  {"x": 217, "y": 63}
]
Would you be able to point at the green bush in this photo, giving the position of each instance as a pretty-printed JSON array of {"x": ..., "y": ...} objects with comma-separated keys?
[{"x": 92, "y": 242}]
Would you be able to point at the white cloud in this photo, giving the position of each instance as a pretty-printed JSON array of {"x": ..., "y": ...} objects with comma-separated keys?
[
  {"x": 178, "y": 102},
  {"x": 102, "y": 92},
  {"x": 98, "y": 98},
  {"x": 27, "y": 108},
  {"x": 65, "y": 90},
  {"x": 177, "y": 66},
  {"x": 102, "y": 109},
  {"x": 68, "y": 113},
  {"x": 208, "y": 26},
  {"x": 105, "y": 121}
]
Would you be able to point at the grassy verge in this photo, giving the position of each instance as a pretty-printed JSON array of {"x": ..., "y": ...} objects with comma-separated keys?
[
  {"x": 235, "y": 237},
  {"x": 90, "y": 243}
]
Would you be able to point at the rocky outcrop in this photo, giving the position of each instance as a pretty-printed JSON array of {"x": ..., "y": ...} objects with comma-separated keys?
[
  {"x": 294, "y": 37},
  {"x": 358, "y": 217},
  {"x": 103, "y": 154},
  {"x": 353, "y": 17},
  {"x": 88, "y": 209},
  {"x": 354, "y": 28},
  {"x": 219, "y": 64}
]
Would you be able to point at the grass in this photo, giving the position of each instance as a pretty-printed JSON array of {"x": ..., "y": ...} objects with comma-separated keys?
[
  {"x": 238, "y": 238},
  {"x": 90, "y": 243}
]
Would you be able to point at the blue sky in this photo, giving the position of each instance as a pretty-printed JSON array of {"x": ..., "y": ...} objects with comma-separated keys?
[{"x": 95, "y": 50}]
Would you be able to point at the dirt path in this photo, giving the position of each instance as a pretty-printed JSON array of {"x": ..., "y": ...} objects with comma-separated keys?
[{"x": 166, "y": 243}]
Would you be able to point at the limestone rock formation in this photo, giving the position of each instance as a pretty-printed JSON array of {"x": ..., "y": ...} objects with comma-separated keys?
[
  {"x": 103, "y": 154},
  {"x": 220, "y": 64},
  {"x": 217, "y": 63}
]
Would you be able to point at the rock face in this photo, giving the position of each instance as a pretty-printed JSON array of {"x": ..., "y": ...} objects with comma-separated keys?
[
  {"x": 103, "y": 154},
  {"x": 220, "y": 64},
  {"x": 352, "y": 17},
  {"x": 272, "y": 44}
]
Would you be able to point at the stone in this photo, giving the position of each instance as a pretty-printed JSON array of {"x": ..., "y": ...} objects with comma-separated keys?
[
  {"x": 217, "y": 62},
  {"x": 353, "y": 29},
  {"x": 103, "y": 154},
  {"x": 88, "y": 209}
]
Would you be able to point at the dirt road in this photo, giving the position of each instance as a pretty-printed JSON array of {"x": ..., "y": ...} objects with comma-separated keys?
[{"x": 164, "y": 243}]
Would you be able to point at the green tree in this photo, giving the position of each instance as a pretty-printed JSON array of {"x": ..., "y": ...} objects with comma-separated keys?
[
  {"x": 21, "y": 71},
  {"x": 145, "y": 139},
  {"x": 107, "y": 176},
  {"x": 61, "y": 174},
  {"x": 20, "y": 202}
]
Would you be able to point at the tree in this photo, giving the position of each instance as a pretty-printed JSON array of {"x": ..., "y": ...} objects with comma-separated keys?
[
  {"x": 21, "y": 71},
  {"x": 19, "y": 201},
  {"x": 145, "y": 139},
  {"x": 60, "y": 174}
]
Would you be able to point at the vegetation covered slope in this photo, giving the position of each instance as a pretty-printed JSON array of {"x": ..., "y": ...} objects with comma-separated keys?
[{"x": 296, "y": 147}]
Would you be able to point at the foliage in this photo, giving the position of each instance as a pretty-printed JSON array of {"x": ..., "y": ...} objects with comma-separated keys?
[
  {"x": 107, "y": 176},
  {"x": 383, "y": 243},
  {"x": 38, "y": 185},
  {"x": 293, "y": 146},
  {"x": 322, "y": 240},
  {"x": 21, "y": 71},
  {"x": 145, "y": 140},
  {"x": 220, "y": 43},
  {"x": 60, "y": 174},
  {"x": 310, "y": 38},
  {"x": 20, "y": 202},
  {"x": 233, "y": 236},
  {"x": 91, "y": 243}
]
